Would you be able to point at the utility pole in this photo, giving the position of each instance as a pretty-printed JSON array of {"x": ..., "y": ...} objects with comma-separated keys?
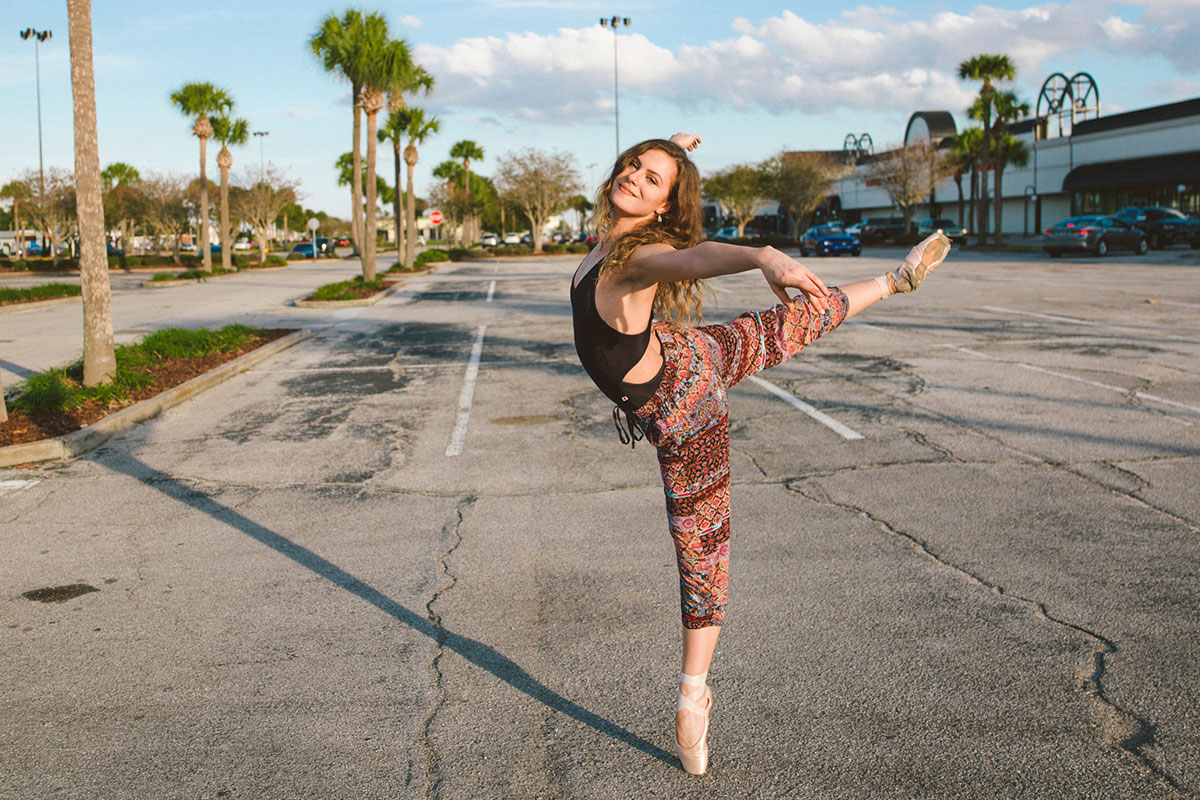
[
  {"x": 262, "y": 164},
  {"x": 39, "y": 36}
]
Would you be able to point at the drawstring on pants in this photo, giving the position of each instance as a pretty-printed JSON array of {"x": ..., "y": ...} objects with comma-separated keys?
[{"x": 632, "y": 433}]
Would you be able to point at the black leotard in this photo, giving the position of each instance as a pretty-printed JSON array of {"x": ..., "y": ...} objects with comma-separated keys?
[{"x": 606, "y": 353}]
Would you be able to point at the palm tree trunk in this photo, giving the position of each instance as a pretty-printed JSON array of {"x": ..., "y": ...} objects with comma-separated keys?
[
  {"x": 99, "y": 362},
  {"x": 396, "y": 204},
  {"x": 958, "y": 182},
  {"x": 368, "y": 260},
  {"x": 3, "y": 405},
  {"x": 206, "y": 260},
  {"x": 226, "y": 241},
  {"x": 356, "y": 187},
  {"x": 410, "y": 219},
  {"x": 998, "y": 202}
]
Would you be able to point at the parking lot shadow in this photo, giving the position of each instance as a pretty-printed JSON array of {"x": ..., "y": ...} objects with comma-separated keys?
[{"x": 476, "y": 652}]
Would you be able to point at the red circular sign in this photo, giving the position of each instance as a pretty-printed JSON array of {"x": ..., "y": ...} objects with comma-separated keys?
[{"x": 435, "y": 217}]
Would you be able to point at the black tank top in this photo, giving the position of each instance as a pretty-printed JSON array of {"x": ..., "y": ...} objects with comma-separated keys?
[{"x": 606, "y": 353}]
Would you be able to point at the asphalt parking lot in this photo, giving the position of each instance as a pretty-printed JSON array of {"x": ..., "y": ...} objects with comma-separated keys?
[{"x": 409, "y": 558}]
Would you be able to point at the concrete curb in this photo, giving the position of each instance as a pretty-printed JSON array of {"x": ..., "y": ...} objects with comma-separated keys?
[
  {"x": 365, "y": 301},
  {"x": 86, "y": 439},
  {"x": 167, "y": 284},
  {"x": 53, "y": 301}
]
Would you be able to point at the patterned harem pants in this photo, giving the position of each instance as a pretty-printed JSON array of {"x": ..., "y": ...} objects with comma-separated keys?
[{"x": 687, "y": 421}]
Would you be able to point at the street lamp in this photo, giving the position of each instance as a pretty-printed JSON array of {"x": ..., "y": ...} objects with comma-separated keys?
[
  {"x": 262, "y": 164},
  {"x": 38, "y": 36},
  {"x": 614, "y": 22}
]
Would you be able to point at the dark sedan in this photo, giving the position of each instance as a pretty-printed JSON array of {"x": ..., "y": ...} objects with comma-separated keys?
[
  {"x": 829, "y": 240},
  {"x": 1162, "y": 226},
  {"x": 1093, "y": 234}
]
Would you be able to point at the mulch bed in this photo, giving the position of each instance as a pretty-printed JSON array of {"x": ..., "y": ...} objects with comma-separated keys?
[
  {"x": 360, "y": 292},
  {"x": 23, "y": 428}
]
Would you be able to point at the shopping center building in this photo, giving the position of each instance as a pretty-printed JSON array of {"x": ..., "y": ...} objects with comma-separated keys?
[{"x": 1080, "y": 161}]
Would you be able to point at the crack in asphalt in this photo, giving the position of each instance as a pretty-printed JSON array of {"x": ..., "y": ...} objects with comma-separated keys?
[
  {"x": 451, "y": 529},
  {"x": 1121, "y": 727}
]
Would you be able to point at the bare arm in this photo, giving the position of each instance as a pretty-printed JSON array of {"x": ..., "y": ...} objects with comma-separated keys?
[{"x": 659, "y": 263}]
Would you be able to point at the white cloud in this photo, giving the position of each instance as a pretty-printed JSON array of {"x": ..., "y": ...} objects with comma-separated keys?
[
  {"x": 873, "y": 58},
  {"x": 410, "y": 21}
]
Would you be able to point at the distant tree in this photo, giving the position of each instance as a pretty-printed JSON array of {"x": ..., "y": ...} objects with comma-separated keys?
[
  {"x": 581, "y": 206},
  {"x": 17, "y": 192},
  {"x": 227, "y": 131},
  {"x": 960, "y": 161},
  {"x": 908, "y": 174},
  {"x": 800, "y": 182},
  {"x": 165, "y": 208},
  {"x": 540, "y": 184},
  {"x": 261, "y": 202},
  {"x": 53, "y": 213},
  {"x": 985, "y": 68},
  {"x": 201, "y": 101},
  {"x": 467, "y": 151},
  {"x": 1006, "y": 149},
  {"x": 418, "y": 128},
  {"x": 742, "y": 190},
  {"x": 99, "y": 361},
  {"x": 121, "y": 199}
]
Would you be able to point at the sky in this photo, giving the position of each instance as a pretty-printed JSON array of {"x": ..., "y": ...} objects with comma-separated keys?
[{"x": 751, "y": 78}]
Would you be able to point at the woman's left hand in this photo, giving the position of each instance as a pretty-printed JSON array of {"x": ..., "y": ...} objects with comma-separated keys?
[
  {"x": 688, "y": 141},
  {"x": 783, "y": 273}
]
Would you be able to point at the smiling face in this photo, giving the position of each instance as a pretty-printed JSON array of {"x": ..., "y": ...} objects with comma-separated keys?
[{"x": 643, "y": 187}]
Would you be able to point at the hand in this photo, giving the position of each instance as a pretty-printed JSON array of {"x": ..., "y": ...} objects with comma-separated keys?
[
  {"x": 688, "y": 141},
  {"x": 922, "y": 260},
  {"x": 782, "y": 273}
]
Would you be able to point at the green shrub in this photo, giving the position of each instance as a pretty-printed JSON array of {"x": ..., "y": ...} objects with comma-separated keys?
[
  {"x": 44, "y": 292},
  {"x": 241, "y": 260},
  {"x": 345, "y": 290},
  {"x": 298, "y": 256},
  {"x": 20, "y": 265},
  {"x": 116, "y": 262},
  {"x": 48, "y": 392},
  {"x": 908, "y": 239},
  {"x": 276, "y": 261},
  {"x": 42, "y": 265},
  {"x": 461, "y": 253},
  {"x": 431, "y": 256}
]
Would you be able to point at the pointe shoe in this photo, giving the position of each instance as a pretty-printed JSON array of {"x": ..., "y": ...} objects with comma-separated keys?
[{"x": 694, "y": 758}]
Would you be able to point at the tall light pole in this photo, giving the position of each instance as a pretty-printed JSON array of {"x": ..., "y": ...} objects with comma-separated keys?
[
  {"x": 262, "y": 164},
  {"x": 38, "y": 36},
  {"x": 614, "y": 22}
]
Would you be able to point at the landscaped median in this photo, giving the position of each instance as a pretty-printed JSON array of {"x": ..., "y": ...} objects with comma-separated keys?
[
  {"x": 54, "y": 416},
  {"x": 34, "y": 296}
]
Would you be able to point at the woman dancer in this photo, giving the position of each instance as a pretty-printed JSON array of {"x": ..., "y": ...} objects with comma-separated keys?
[{"x": 670, "y": 379}]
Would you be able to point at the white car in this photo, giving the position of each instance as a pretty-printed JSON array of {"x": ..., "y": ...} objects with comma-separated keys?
[
  {"x": 243, "y": 244},
  {"x": 512, "y": 237},
  {"x": 855, "y": 230},
  {"x": 489, "y": 240}
]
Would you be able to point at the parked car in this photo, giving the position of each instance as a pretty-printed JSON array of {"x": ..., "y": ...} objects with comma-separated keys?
[
  {"x": 512, "y": 237},
  {"x": 1162, "y": 225},
  {"x": 855, "y": 230},
  {"x": 303, "y": 248},
  {"x": 188, "y": 247},
  {"x": 342, "y": 241},
  {"x": 113, "y": 250},
  {"x": 882, "y": 229},
  {"x": 1093, "y": 234},
  {"x": 243, "y": 244},
  {"x": 729, "y": 232},
  {"x": 489, "y": 240},
  {"x": 585, "y": 238},
  {"x": 829, "y": 240},
  {"x": 954, "y": 232}
]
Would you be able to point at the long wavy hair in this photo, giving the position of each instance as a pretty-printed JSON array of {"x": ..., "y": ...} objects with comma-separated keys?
[{"x": 681, "y": 226}]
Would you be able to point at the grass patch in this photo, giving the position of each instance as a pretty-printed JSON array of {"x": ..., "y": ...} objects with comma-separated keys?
[
  {"x": 46, "y": 291},
  {"x": 347, "y": 290},
  {"x": 187, "y": 274},
  {"x": 61, "y": 389}
]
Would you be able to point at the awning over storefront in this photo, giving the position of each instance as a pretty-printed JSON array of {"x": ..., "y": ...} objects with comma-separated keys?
[{"x": 1169, "y": 170}]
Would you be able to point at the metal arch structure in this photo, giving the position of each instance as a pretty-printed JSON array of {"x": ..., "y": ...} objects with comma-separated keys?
[
  {"x": 940, "y": 125},
  {"x": 857, "y": 147},
  {"x": 1075, "y": 98}
]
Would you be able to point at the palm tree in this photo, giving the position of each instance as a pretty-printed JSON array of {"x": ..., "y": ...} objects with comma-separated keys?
[
  {"x": 416, "y": 80},
  {"x": 99, "y": 360},
  {"x": 388, "y": 66},
  {"x": 418, "y": 128},
  {"x": 199, "y": 100},
  {"x": 1008, "y": 109},
  {"x": 119, "y": 179},
  {"x": 964, "y": 155},
  {"x": 338, "y": 43},
  {"x": 393, "y": 131},
  {"x": 467, "y": 150},
  {"x": 986, "y": 68},
  {"x": 227, "y": 131}
]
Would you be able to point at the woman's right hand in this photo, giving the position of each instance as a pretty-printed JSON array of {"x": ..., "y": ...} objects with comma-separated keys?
[
  {"x": 688, "y": 141},
  {"x": 783, "y": 272}
]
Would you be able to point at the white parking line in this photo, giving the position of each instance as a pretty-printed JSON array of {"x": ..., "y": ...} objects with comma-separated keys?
[
  {"x": 14, "y": 488},
  {"x": 1119, "y": 389},
  {"x": 819, "y": 416},
  {"x": 491, "y": 291},
  {"x": 1173, "y": 303},
  {"x": 1144, "y": 330},
  {"x": 459, "y": 435}
]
